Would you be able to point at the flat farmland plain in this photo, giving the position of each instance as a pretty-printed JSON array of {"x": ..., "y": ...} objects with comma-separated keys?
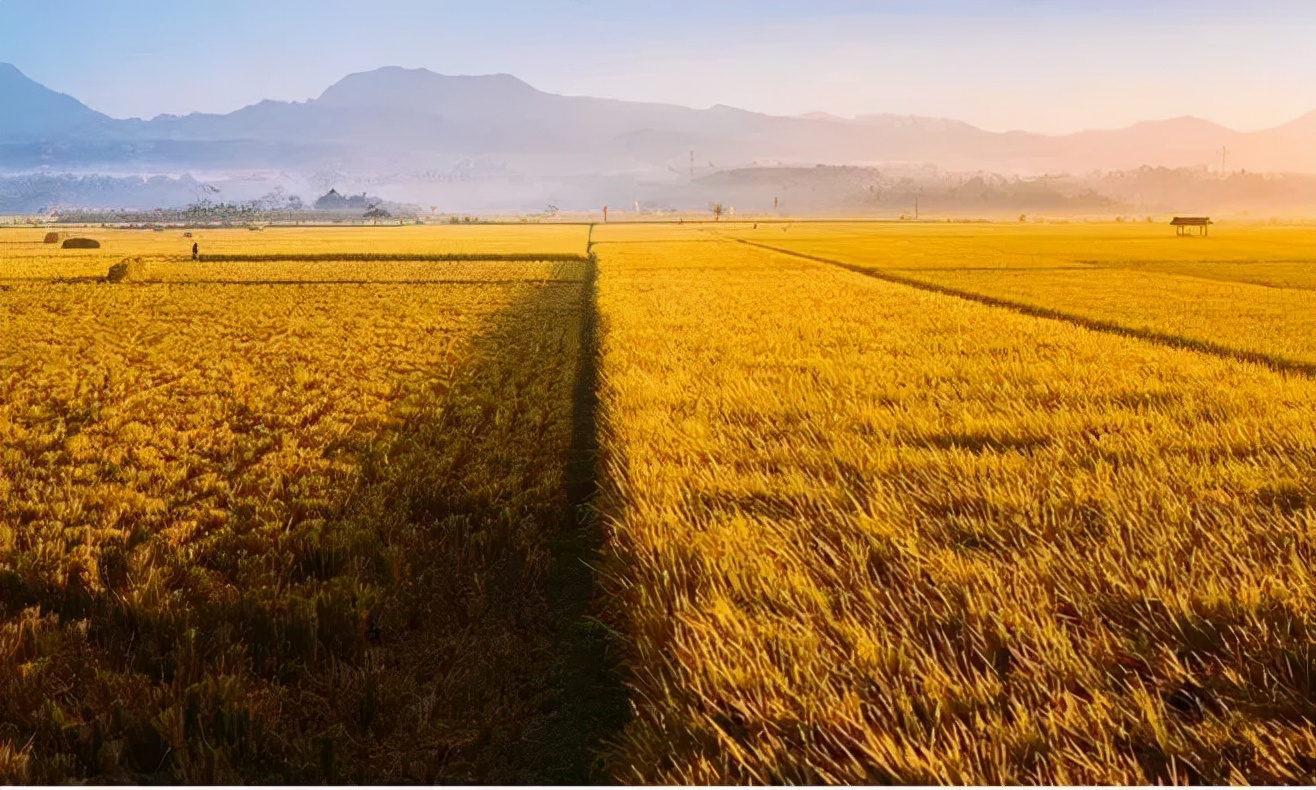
[{"x": 964, "y": 503}]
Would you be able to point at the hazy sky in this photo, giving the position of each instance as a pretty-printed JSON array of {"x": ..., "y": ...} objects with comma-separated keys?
[{"x": 1041, "y": 65}]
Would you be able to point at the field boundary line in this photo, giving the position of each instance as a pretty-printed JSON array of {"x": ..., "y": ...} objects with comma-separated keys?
[
  {"x": 595, "y": 698},
  {"x": 1220, "y": 350}
]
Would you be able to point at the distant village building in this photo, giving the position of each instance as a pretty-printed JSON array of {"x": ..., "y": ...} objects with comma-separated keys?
[
  {"x": 334, "y": 200},
  {"x": 1184, "y": 226}
]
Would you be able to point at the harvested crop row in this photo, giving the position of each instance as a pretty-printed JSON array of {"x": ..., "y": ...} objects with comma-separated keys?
[
  {"x": 863, "y": 533},
  {"x": 24, "y": 255},
  {"x": 316, "y": 271},
  {"x": 423, "y": 239},
  {"x": 292, "y": 534}
]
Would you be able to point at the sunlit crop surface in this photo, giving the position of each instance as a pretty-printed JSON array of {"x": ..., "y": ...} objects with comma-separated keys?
[
  {"x": 867, "y": 533},
  {"x": 1247, "y": 288}
]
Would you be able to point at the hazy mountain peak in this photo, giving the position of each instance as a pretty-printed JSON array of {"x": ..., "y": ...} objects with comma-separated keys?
[
  {"x": 14, "y": 84},
  {"x": 1179, "y": 122},
  {"x": 31, "y": 108},
  {"x": 727, "y": 109},
  {"x": 1305, "y": 123},
  {"x": 393, "y": 86},
  {"x": 819, "y": 115}
]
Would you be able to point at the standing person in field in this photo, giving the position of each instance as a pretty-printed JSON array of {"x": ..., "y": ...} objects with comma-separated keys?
[{"x": 196, "y": 251}]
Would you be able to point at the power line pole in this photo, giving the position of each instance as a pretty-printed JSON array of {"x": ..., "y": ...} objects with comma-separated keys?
[{"x": 1223, "y": 153}]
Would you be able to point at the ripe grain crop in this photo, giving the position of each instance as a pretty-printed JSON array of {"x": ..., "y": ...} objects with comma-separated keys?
[
  {"x": 293, "y": 533},
  {"x": 1247, "y": 248},
  {"x": 303, "y": 514},
  {"x": 865, "y": 533},
  {"x": 1249, "y": 289}
]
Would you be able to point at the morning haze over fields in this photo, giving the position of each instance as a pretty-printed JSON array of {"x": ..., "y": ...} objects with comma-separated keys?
[
  {"x": 720, "y": 393},
  {"x": 723, "y": 104}
]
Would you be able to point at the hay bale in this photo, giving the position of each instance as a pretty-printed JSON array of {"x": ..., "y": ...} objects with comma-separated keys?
[
  {"x": 128, "y": 270},
  {"x": 52, "y": 237},
  {"x": 187, "y": 235},
  {"x": 81, "y": 244}
]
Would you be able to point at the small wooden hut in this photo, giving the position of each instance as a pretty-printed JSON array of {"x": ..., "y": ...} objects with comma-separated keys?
[{"x": 1191, "y": 226}]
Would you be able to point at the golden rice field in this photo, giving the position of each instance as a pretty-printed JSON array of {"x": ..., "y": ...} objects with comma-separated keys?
[
  {"x": 1254, "y": 294},
  {"x": 930, "y": 503},
  {"x": 270, "y": 530}
]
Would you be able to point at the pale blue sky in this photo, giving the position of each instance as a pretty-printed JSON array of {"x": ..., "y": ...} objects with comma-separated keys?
[{"x": 1042, "y": 65}]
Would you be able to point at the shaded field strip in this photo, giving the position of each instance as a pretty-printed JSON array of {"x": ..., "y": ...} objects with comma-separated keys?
[
  {"x": 370, "y": 257},
  {"x": 1279, "y": 364},
  {"x": 588, "y": 669},
  {"x": 499, "y": 281},
  {"x": 489, "y": 281}
]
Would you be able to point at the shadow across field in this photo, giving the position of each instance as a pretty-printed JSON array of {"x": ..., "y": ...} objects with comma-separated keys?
[
  {"x": 495, "y": 627},
  {"x": 432, "y": 624},
  {"x": 588, "y": 667},
  {"x": 369, "y": 257},
  {"x": 373, "y": 283},
  {"x": 1273, "y": 362},
  {"x": 502, "y": 479}
]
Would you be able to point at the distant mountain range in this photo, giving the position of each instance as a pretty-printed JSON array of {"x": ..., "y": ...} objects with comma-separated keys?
[{"x": 494, "y": 139}]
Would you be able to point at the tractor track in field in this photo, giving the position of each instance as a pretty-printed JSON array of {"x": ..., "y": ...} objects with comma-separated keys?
[{"x": 1278, "y": 364}]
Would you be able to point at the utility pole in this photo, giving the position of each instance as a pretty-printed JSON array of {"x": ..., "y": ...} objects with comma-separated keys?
[
  {"x": 1223, "y": 153},
  {"x": 916, "y": 207},
  {"x": 692, "y": 164}
]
